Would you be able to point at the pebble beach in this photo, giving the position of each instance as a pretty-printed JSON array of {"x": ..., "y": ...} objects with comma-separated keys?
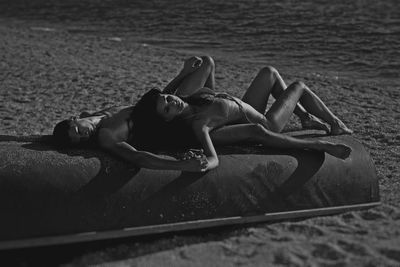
[{"x": 52, "y": 70}]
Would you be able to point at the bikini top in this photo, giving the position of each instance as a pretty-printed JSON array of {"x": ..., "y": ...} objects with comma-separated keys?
[{"x": 223, "y": 95}]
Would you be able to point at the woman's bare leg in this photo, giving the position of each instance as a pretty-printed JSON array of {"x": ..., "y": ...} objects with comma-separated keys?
[
  {"x": 268, "y": 81},
  {"x": 204, "y": 76},
  {"x": 257, "y": 133},
  {"x": 279, "y": 113}
]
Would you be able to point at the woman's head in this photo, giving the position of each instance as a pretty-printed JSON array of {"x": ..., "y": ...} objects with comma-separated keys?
[
  {"x": 73, "y": 131},
  {"x": 169, "y": 107},
  {"x": 157, "y": 121},
  {"x": 154, "y": 104}
]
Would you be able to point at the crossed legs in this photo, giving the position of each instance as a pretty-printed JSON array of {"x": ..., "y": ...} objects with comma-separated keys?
[
  {"x": 297, "y": 99},
  {"x": 279, "y": 113},
  {"x": 311, "y": 110},
  {"x": 267, "y": 82}
]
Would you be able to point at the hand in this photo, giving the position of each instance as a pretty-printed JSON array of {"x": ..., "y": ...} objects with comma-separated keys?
[
  {"x": 192, "y": 153},
  {"x": 196, "y": 164},
  {"x": 191, "y": 64}
]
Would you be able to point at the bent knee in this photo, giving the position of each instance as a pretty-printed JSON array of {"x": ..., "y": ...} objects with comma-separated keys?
[
  {"x": 208, "y": 61},
  {"x": 268, "y": 71},
  {"x": 298, "y": 84}
]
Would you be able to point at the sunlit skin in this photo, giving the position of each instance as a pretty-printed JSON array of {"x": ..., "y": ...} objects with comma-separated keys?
[
  {"x": 225, "y": 112},
  {"x": 115, "y": 126},
  {"x": 218, "y": 123}
]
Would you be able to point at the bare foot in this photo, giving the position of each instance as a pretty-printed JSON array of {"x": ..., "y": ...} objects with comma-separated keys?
[
  {"x": 337, "y": 150},
  {"x": 339, "y": 128},
  {"x": 313, "y": 122}
]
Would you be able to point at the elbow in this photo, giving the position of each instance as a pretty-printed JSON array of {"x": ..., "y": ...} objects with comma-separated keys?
[{"x": 213, "y": 163}]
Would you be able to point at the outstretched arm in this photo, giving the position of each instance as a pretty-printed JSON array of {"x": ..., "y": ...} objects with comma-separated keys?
[
  {"x": 143, "y": 159},
  {"x": 189, "y": 66},
  {"x": 146, "y": 159}
]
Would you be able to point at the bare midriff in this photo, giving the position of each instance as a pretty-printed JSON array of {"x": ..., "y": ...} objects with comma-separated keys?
[{"x": 225, "y": 111}]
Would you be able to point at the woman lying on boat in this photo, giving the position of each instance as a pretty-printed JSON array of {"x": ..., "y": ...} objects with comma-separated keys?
[{"x": 190, "y": 107}]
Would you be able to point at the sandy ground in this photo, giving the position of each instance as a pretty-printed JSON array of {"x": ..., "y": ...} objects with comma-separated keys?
[{"x": 49, "y": 74}]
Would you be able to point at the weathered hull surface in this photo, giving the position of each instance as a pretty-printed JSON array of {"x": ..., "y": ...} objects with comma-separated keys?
[{"x": 50, "y": 197}]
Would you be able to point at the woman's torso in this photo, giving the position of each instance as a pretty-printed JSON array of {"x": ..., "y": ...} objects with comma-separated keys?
[{"x": 227, "y": 110}]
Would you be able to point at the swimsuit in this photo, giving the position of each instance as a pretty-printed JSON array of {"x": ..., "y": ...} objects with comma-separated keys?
[{"x": 224, "y": 96}]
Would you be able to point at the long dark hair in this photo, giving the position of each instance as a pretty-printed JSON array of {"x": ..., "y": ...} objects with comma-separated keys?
[{"x": 151, "y": 132}]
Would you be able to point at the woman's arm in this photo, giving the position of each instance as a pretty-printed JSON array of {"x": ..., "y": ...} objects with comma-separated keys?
[
  {"x": 146, "y": 159},
  {"x": 143, "y": 159},
  {"x": 189, "y": 66},
  {"x": 201, "y": 131},
  {"x": 173, "y": 85}
]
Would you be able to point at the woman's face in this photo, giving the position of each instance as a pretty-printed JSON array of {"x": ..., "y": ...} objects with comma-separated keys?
[
  {"x": 169, "y": 106},
  {"x": 80, "y": 130}
]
